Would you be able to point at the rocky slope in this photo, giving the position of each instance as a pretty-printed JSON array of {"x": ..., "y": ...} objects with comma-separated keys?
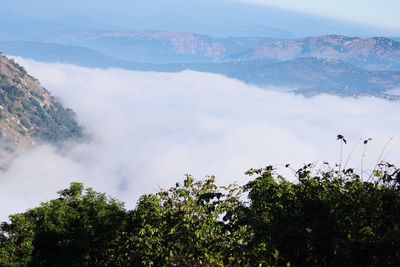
[{"x": 28, "y": 113}]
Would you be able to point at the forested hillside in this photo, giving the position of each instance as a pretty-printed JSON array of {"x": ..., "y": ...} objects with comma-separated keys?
[{"x": 29, "y": 113}]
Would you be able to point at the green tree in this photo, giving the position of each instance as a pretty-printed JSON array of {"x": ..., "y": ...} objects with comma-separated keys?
[
  {"x": 327, "y": 218},
  {"x": 77, "y": 229},
  {"x": 191, "y": 224}
]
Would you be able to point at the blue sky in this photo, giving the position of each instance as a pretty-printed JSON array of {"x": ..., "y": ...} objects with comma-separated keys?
[
  {"x": 272, "y": 18},
  {"x": 380, "y": 13}
]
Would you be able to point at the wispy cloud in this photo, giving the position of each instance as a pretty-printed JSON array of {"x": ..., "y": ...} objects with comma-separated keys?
[{"x": 149, "y": 129}]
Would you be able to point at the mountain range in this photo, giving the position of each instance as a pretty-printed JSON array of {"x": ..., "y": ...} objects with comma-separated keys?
[{"x": 323, "y": 64}]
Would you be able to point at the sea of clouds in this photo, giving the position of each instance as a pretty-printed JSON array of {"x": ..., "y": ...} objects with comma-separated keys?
[{"x": 149, "y": 129}]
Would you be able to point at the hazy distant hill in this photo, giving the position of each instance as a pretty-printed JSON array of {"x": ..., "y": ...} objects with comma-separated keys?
[
  {"x": 28, "y": 113},
  {"x": 376, "y": 53},
  {"x": 332, "y": 64},
  {"x": 51, "y": 52},
  {"x": 160, "y": 47},
  {"x": 306, "y": 75}
]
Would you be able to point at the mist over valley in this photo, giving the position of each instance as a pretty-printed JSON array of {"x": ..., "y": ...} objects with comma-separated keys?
[
  {"x": 199, "y": 133},
  {"x": 148, "y": 129}
]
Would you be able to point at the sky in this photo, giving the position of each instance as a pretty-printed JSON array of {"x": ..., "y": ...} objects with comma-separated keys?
[
  {"x": 284, "y": 18},
  {"x": 379, "y": 13},
  {"x": 150, "y": 129}
]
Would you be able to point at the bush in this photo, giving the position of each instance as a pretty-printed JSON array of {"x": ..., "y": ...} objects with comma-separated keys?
[{"x": 325, "y": 218}]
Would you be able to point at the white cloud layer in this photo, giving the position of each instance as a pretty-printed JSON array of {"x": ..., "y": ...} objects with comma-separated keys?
[{"x": 149, "y": 129}]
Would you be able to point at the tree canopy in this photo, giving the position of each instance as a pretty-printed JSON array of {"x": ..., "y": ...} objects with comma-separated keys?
[{"x": 327, "y": 217}]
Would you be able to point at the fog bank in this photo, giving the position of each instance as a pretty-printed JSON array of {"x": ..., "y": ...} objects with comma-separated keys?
[{"x": 149, "y": 129}]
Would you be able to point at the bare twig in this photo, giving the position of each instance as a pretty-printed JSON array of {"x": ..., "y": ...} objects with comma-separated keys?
[
  {"x": 342, "y": 140},
  {"x": 351, "y": 153},
  {"x": 363, "y": 156},
  {"x": 380, "y": 157}
]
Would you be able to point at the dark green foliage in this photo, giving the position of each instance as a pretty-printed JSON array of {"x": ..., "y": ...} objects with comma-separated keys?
[
  {"x": 77, "y": 229},
  {"x": 326, "y": 218},
  {"x": 192, "y": 224}
]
